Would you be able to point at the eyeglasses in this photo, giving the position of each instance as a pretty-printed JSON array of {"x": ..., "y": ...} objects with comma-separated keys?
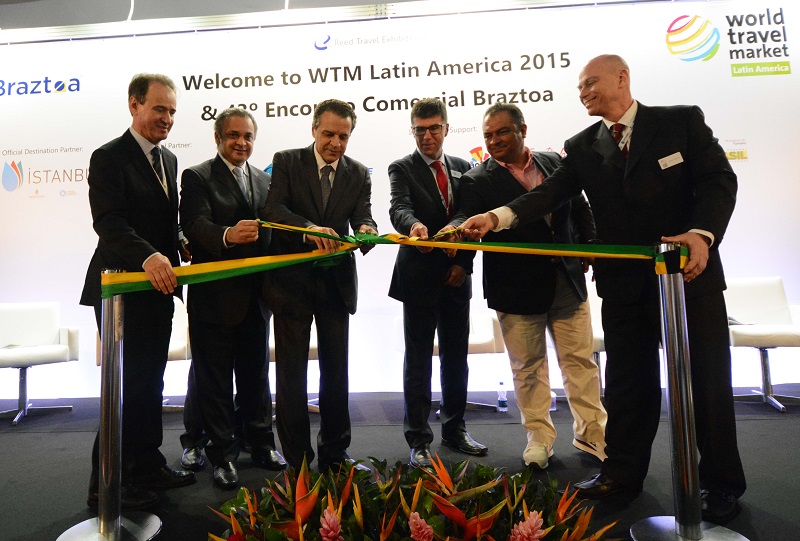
[{"x": 435, "y": 129}]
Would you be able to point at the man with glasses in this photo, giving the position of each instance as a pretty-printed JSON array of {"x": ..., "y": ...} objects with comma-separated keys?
[
  {"x": 534, "y": 294},
  {"x": 435, "y": 287}
]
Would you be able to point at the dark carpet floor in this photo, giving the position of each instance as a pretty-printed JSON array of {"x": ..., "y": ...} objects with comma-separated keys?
[{"x": 45, "y": 468}]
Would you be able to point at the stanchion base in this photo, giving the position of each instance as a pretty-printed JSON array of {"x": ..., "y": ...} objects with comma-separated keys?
[
  {"x": 134, "y": 527},
  {"x": 663, "y": 529}
]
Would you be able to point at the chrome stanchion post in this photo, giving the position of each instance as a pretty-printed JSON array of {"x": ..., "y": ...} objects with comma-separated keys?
[
  {"x": 110, "y": 525},
  {"x": 687, "y": 523},
  {"x": 110, "y": 506}
]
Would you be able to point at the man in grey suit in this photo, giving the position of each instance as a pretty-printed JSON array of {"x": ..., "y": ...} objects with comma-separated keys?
[
  {"x": 316, "y": 187},
  {"x": 651, "y": 174},
  {"x": 134, "y": 201},
  {"x": 434, "y": 288},
  {"x": 219, "y": 199}
]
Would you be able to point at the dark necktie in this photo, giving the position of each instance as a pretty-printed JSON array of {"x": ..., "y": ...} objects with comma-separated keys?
[
  {"x": 238, "y": 172},
  {"x": 441, "y": 181},
  {"x": 156, "y": 153},
  {"x": 325, "y": 184},
  {"x": 616, "y": 132}
]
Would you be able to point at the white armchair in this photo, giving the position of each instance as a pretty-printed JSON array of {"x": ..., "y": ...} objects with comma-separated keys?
[
  {"x": 760, "y": 318},
  {"x": 31, "y": 335}
]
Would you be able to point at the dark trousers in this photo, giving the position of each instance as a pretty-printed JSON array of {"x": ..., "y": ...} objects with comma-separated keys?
[
  {"x": 633, "y": 389},
  {"x": 324, "y": 304},
  {"x": 450, "y": 318},
  {"x": 220, "y": 353},
  {"x": 146, "y": 331}
]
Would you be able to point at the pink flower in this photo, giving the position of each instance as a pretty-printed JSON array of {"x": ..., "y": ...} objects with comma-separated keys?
[
  {"x": 420, "y": 531},
  {"x": 528, "y": 530},
  {"x": 330, "y": 529}
]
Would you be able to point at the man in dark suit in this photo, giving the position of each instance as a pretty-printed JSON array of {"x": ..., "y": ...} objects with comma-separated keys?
[
  {"x": 434, "y": 288},
  {"x": 663, "y": 178},
  {"x": 316, "y": 187},
  {"x": 534, "y": 294},
  {"x": 228, "y": 330},
  {"x": 134, "y": 199}
]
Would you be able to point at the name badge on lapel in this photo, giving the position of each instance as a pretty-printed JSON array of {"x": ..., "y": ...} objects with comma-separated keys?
[
  {"x": 456, "y": 174},
  {"x": 668, "y": 161}
]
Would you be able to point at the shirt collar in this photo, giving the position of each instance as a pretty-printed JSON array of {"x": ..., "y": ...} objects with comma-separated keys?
[
  {"x": 145, "y": 145},
  {"x": 232, "y": 166},
  {"x": 511, "y": 166},
  {"x": 626, "y": 119},
  {"x": 322, "y": 163},
  {"x": 430, "y": 161}
]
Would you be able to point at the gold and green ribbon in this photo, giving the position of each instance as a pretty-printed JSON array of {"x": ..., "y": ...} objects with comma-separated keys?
[{"x": 127, "y": 282}]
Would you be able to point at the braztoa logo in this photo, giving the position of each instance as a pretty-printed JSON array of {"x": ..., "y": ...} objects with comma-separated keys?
[
  {"x": 39, "y": 86},
  {"x": 12, "y": 176},
  {"x": 691, "y": 38}
]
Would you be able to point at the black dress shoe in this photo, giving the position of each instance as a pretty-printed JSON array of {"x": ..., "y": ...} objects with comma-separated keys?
[
  {"x": 600, "y": 486},
  {"x": 192, "y": 459},
  {"x": 269, "y": 459},
  {"x": 226, "y": 476},
  {"x": 131, "y": 498},
  {"x": 421, "y": 456},
  {"x": 164, "y": 478},
  {"x": 718, "y": 506},
  {"x": 343, "y": 463},
  {"x": 463, "y": 442}
]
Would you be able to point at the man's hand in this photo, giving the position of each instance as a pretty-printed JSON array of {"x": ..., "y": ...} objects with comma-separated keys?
[
  {"x": 477, "y": 226},
  {"x": 185, "y": 250},
  {"x": 455, "y": 276},
  {"x": 366, "y": 229},
  {"x": 159, "y": 271},
  {"x": 327, "y": 245},
  {"x": 419, "y": 230},
  {"x": 586, "y": 263},
  {"x": 454, "y": 237},
  {"x": 244, "y": 232},
  {"x": 698, "y": 253}
]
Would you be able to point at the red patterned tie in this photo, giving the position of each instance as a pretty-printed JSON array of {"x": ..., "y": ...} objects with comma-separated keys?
[
  {"x": 616, "y": 132},
  {"x": 441, "y": 181}
]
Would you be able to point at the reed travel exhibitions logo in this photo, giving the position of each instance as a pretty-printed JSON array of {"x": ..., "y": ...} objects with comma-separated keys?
[
  {"x": 12, "y": 176},
  {"x": 693, "y": 38}
]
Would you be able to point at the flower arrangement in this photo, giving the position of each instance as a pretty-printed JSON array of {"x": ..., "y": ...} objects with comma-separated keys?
[{"x": 399, "y": 502}]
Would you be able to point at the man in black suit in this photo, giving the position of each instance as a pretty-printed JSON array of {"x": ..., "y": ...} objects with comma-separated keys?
[
  {"x": 134, "y": 200},
  {"x": 534, "y": 294},
  {"x": 228, "y": 330},
  {"x": 434, "y": 288},
  {"x": 663, "y": 178},
  {"x": 316, "y": 187}
]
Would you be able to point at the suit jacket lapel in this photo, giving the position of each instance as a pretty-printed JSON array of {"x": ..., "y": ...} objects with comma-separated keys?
[
  {"x": 146, "y": 171},
  {"x": 225, "y": 177},
  {"x": 311, "y": 173},
  {"x": 259, "y": 188},
  {"x": 340, "y": 185},
  {"x": 645, "y": 128},
  {"x": 423, "y": 175},
  {"x": 605, "y": 146}
]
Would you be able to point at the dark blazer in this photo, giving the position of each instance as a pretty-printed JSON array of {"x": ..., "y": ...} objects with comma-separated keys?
[
  {"x": 523, "y": 284},
  {"x": 635, "y": 201},
  {"x": 295, "y": 198},
  {"x": 211, "y": 201},
  {"x": 131, "y": 214},
  {"x": 419, "y": 278}
]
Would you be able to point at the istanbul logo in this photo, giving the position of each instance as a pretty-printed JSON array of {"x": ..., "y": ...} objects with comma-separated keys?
[
  {"x": 692, "y": 38},
  {"x": 12, "y": 176}
]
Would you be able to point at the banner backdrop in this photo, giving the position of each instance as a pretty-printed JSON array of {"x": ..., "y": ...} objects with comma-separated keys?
[{"x": 59, "y": 101}]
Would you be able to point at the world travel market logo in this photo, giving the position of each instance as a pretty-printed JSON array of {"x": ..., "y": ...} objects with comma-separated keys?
[
  {"x": 757, "y": 43},
  {"x": 12, "y": 176},
  {"x": 693, "y": 38}
]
